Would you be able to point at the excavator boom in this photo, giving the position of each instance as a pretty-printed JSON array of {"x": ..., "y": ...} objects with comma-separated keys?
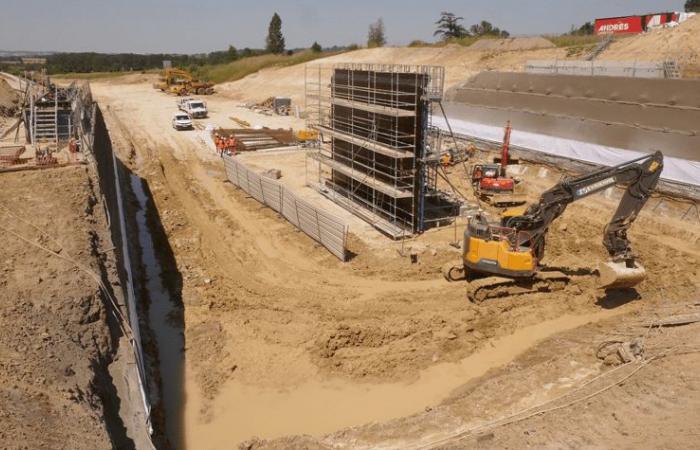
[{"x": 641, "y": 176}]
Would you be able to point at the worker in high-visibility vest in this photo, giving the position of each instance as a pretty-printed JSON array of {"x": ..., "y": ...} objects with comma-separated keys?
[
  {"x": 231, "y": 145},
  {"x": 220, "y": 144}
]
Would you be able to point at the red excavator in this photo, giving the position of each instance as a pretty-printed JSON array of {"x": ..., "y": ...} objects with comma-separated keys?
[{"x": 491, "y": 182}]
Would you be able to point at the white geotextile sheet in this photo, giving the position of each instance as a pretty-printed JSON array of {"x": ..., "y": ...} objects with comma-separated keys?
[{"x": 675, "y": 169}]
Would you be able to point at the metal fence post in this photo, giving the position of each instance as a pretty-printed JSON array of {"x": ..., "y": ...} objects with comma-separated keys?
[
  {"x": 318, "y": 226},
  {"x": 296, "y": 210},
  {"x": 262, "y": 190}
]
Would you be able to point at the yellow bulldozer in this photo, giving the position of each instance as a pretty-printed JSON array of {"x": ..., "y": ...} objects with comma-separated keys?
[{"x": 181, "y": 82}]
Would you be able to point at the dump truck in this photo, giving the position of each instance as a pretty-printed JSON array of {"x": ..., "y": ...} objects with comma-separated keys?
[{"x": 181, "y": 82}]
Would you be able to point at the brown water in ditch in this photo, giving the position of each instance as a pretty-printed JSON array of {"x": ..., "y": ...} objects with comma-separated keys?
[{"x": 323, "y": 406}]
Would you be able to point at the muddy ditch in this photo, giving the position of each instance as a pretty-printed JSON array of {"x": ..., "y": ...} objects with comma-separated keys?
[
  {"x": 157, "y": 318},
  {"x": 161, "y": 314}
]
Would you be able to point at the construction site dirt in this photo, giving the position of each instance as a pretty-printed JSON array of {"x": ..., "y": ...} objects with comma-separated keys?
[
  {"x": 259, "y": 338},
  {"x": 64, "y": 359},
  {"x": 277, "y": 328}
]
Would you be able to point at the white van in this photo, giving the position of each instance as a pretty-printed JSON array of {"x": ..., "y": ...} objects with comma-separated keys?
[{"x": 194, "y": 107}]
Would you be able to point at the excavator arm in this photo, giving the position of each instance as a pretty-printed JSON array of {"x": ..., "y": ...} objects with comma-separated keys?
[{"x": 641, "y": 176}]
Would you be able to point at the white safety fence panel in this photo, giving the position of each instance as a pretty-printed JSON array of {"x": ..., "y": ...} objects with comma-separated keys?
[{"x": 321, "y": 226}]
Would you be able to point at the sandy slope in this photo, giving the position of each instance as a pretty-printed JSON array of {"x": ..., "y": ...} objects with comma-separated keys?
[
  {"x": 460, "y": 63},
  {"x": 681, "y": 43}
]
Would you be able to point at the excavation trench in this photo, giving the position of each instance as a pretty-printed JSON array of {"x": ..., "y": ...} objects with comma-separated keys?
[{"x": 163, "y": 319}]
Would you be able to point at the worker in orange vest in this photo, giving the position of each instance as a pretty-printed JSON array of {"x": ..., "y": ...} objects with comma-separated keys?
[
  {"x": 220, "y": 145},
  {"x": 231, "y": 145}
]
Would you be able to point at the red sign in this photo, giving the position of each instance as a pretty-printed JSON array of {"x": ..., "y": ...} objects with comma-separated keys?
[{"x": 620, "y": 25}]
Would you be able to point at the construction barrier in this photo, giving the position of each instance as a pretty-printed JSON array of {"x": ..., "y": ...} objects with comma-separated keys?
[
  {"x": 324, "y": 228},
  {"x": 633, "y": 69}
]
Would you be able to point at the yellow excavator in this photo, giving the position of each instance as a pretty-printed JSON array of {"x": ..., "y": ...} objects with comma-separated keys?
[
  {"x": 181, "y": 82},
  {"x": 504, "y": 259}
]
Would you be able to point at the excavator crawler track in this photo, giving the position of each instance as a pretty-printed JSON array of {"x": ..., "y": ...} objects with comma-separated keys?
[
  {"x": 503, "y": 199},
  {"x": 487, "y": 288}
]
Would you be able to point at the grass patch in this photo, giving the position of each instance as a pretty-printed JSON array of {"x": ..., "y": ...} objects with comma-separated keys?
[
  {"x": 241, "y": 68},
  {"x": 568, "y": 40}
]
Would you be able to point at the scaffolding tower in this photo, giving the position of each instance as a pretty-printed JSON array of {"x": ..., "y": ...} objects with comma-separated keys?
[
  {"x": 50, "y": 114},
  {"x": 375, "y": 156}
]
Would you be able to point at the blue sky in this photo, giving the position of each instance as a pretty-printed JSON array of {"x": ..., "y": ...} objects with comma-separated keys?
[{"x": 150, "y": 26}]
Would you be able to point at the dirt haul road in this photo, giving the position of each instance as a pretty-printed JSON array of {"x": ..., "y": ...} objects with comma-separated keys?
[{"x": 281, "y": 338}]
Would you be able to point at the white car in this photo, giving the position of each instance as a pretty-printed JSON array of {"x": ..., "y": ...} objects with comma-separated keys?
[{"x": 182, "y": 121}]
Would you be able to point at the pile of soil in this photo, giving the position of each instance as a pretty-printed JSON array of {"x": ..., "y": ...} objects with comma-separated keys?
[{"x": 9, "y": 100}]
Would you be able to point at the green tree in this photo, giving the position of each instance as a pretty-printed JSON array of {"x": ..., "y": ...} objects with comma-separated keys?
[
  {"x": 584, "y": 30},
  {"x": 375, "y": 35},
  {"x": 275, "y": 39},
  {"x": 316, "y": 47},
  {"x": 449, "y": 27},
  {"x": 232, "y": 53},
  {"x": 485, "y": 28},
  {"x": 692, "y": 6}
]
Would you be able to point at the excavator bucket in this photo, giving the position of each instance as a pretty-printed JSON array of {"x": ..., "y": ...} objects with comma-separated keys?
[{"x": 616, "y": 275}]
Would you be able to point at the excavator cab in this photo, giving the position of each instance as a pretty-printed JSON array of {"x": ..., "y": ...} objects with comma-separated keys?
[{"x": 497, "y": 250}]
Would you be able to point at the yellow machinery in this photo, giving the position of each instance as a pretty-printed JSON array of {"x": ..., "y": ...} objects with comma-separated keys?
[
  {"x": 504, "y": 259},
  {"x": 181, "y": 82},
  {"x": 307, "y": 137}
]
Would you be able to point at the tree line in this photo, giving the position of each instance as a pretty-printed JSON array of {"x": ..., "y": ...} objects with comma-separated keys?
[{"x": 448, "y": 27}]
